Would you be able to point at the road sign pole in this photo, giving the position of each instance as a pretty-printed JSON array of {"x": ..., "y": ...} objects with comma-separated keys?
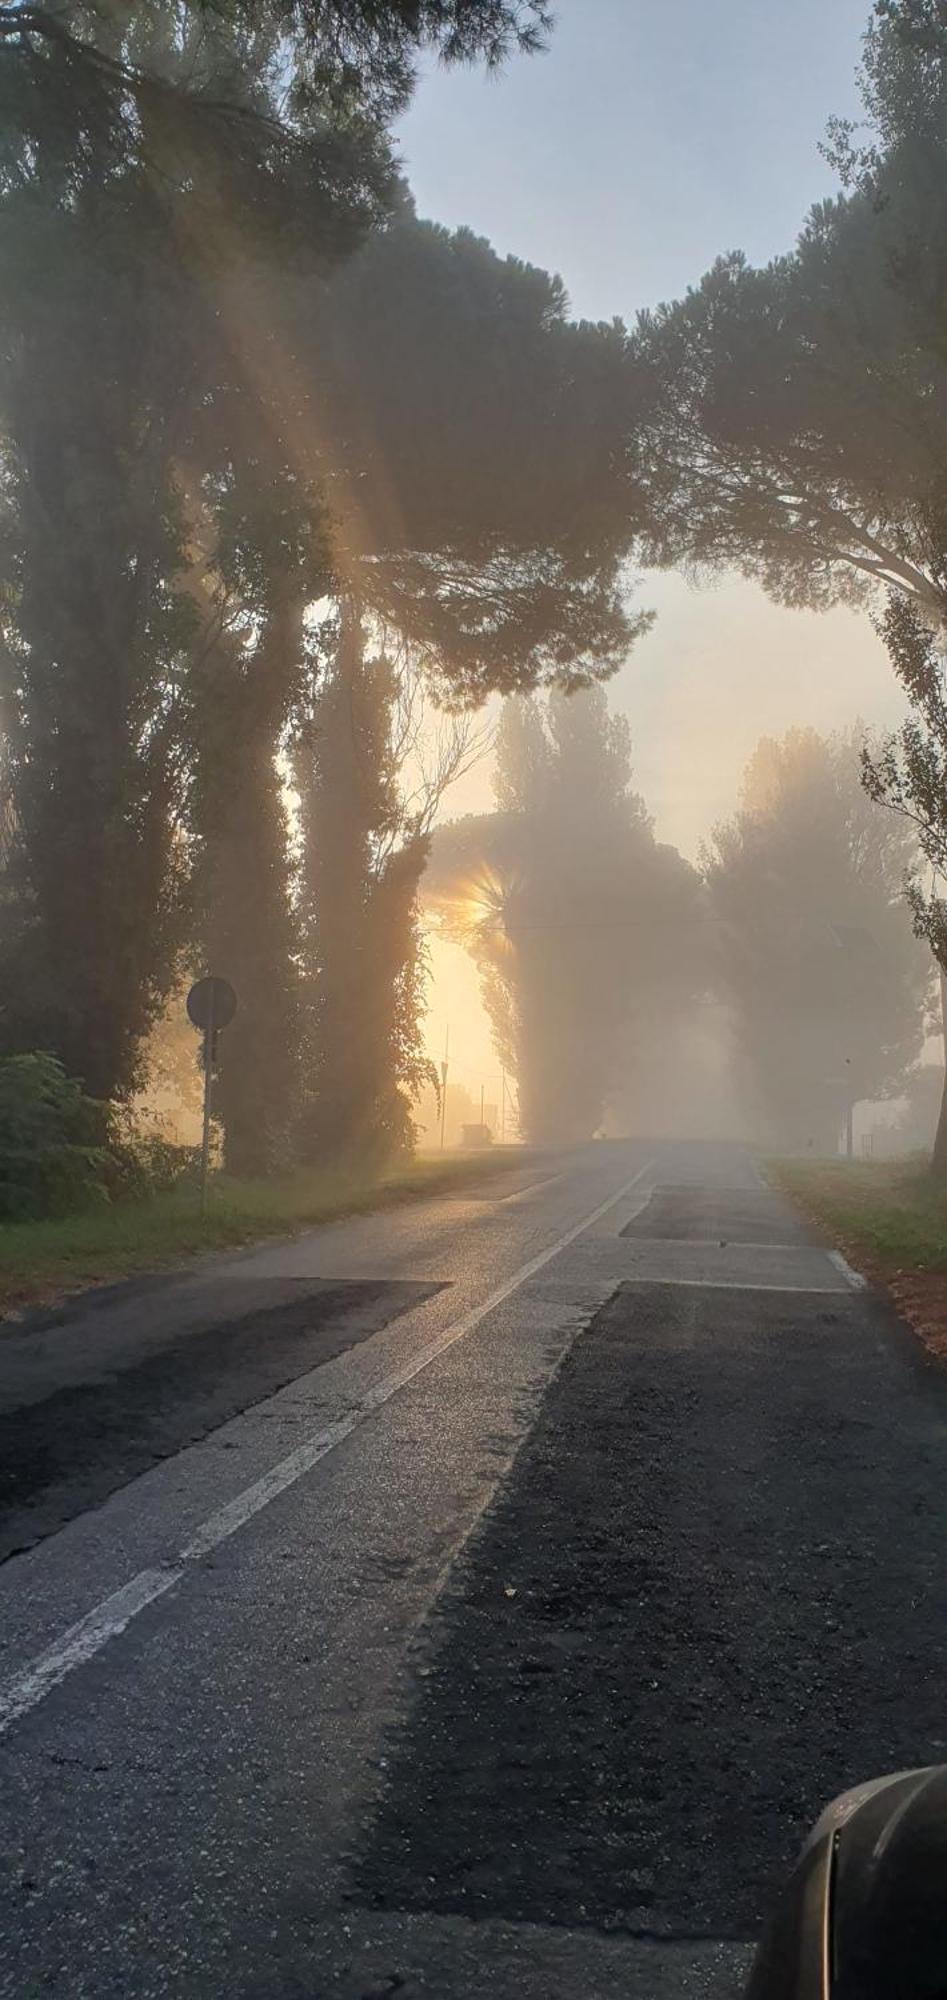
[
  {"x": 208, "y": 1078},
  {"x": 211, "y": 1005}
]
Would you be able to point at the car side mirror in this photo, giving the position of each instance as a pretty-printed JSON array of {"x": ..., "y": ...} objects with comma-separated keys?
[{"x": 864, "y": 1913}]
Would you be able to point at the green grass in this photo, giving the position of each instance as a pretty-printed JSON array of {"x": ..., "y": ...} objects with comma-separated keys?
[
  {"x": 892, "y": 1212},
  {"x": 40, "y": 1261}
]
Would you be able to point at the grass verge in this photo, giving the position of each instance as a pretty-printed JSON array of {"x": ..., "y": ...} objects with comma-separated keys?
[
  {"x": 890, "y": 1218},
  {"x": 889, "y": 1212},
  {"x": 43, "y": 1261}
]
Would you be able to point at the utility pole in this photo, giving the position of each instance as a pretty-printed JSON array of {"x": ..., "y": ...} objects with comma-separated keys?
[
  {"x": 503, "y": 1107},
  {"x": 481, "y": 1107}
]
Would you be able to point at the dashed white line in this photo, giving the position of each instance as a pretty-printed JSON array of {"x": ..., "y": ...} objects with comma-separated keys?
[{"x": 114, "y": 1614}]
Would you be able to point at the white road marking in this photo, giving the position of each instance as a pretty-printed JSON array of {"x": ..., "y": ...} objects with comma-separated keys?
[
  {"x": 84, "y": 1640},
  {"x": 523, "y": 1194},
  {"x": 714, "y": 1244},
  {"x": 854, "y": 1278},
  {"x": 106, "y": 1620},
  {"x": 715, "y": 1188},
  {"x": 740, "y": 1285}
]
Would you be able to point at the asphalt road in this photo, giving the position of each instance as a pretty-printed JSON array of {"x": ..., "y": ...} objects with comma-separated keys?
[{"x": 475, "y": 1598}]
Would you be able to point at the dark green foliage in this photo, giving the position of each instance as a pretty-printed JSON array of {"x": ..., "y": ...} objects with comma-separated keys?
[
  {"x": 61, "y": 1150},
  {"x": 185, "y": 446},
  {"x": 53, "y": 1156},
  {"x": 813, "y": 950},
  {"x": 908, "y": 773},
  {"x": 908, "y": 770},
  {"x": 202, "y": 435},
  {"x": 165, "y": 176},
  {"x": 138, "y": 1167},
  {"x": 480, "y": 461},
  {"x": 798, "y": 425},
  {"x": 108, "y": 75},
  {"x": 576, "y": 917},
  {"x": 135, "y": 430},
  {"x": 919, "y": 24},
  {"x": 93, "y": 638},
  {"x": 799, "y": 422}
]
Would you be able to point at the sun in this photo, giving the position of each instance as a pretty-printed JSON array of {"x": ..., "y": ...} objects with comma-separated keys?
[{"x": 473, "y": 912}]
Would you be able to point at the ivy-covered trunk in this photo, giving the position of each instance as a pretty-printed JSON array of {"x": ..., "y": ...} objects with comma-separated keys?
[
  {"x": 246, "y": 928},
  {"x": 361, "y": 869},
  {"x": 92, "y": 908}
]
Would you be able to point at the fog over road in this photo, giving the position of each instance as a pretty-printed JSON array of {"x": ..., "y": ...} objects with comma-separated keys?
[{"x": 474, "y": 1598}]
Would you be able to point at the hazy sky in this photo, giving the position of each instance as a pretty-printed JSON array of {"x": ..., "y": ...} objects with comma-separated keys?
[{"x": 652, "y": 136}]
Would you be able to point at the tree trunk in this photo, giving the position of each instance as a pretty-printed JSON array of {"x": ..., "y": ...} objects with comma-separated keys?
[
  {"x": 246, "y": 925},
  {"x": 939, "y": 1155}
]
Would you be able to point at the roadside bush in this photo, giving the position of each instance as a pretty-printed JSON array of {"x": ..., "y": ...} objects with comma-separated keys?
[
  {"x": 143, "y": 1164},
  {"x": 52, "y": 1152}
]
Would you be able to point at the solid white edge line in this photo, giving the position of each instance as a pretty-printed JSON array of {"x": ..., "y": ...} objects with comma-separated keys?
[
  {"x": 856, "y": 1279},
  {"x": 736, "y": 1285},
  {"x": 715, "y": 1243},
  {"x": 114, "y": 1614}
]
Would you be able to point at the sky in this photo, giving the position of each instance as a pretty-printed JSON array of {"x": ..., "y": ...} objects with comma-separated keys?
[{"x": 649, "y": 139}]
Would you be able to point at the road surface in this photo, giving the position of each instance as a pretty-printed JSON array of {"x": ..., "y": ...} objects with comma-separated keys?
[{"x": 474, "y": 1598}]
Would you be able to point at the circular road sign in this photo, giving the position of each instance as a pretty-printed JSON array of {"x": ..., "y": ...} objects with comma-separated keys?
[{"x": 211, "y": 1003}]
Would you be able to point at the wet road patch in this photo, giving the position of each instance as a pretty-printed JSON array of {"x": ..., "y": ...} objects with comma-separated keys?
[{"x": 718, "y": 1215}]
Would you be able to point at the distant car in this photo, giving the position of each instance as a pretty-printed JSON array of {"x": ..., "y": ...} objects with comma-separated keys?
[{"x": 473, "y": 1136}]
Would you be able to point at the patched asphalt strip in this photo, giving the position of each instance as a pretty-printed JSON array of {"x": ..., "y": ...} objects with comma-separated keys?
[
  {"x": 713, "y": 1215},
  {"x": 709, "y": 1597},
  {"x": 71, "y": 1450}
]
